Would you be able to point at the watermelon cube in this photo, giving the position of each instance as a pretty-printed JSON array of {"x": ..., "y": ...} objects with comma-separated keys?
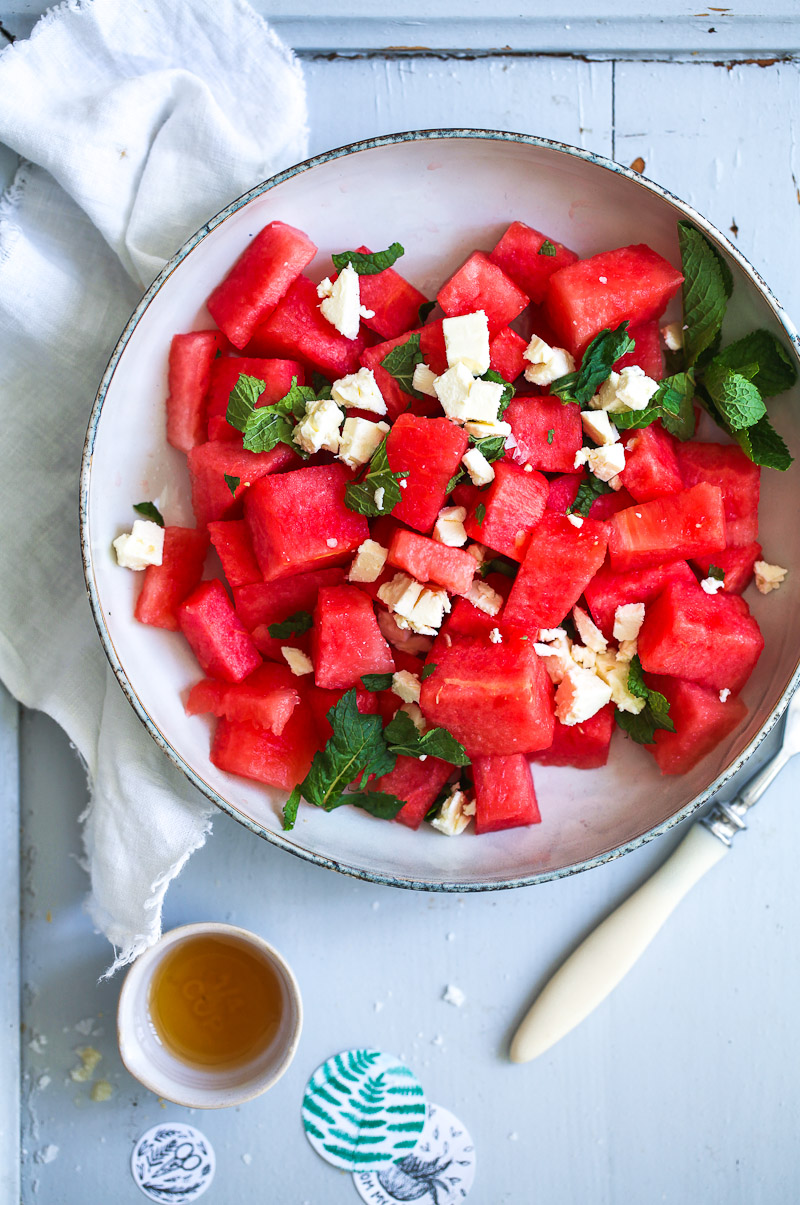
[
  {"x": 218, "y": 638},
  {"x": 417, "y": 782},
  {"x": 506, "y": 353},
  {"x": 701, "y": 722},
  {"x": 710, "y": 639},
  {"x": 513, "y": 506},
  {"x": 296, "y": 330},
  {"x": 394, "y": 301},
  {"x": 585, "y": 746},
  {"x": 396, "y": 399},
  {"x": 191, "y": 358},
  {"x": 675, "y": 527},
  {"x": 211, "y": 462},
  {"x": 647, "y": 353},
  {"x": 548, "y": 432},
  {"x": 279, "y": 761},
  {"x": 609, "y": 589},
  {"x": 519, "y": 255},
  {"x": 494, "y": 698},
  {"x": 651, "y": 466},
  {"x": 430, "y": 451},
  {"x": 504, "y": 794},
  {"x": 346, "y": 641},
  {"x": 259, "y": 279},
  {"x": 479, "y": 284},
  {"x": 739, "y": 479},
  {"x": 560, "y": 562},
  {"x": 432, "y": 346},
  {"x": 274, "y": 601},
  {"x": 165, "y": 586},
  {"x": 606, "y": 505},
  {"x": 736, "y": 563},
  {"x": 276, "y": 374},
  {"x": 429, "y": 561},
  {"x": 563, "y": 491},
  {"x": 233, "y": 545},
  {"x": 266, "y": 698},
  {"x": 633, "y": 283}
]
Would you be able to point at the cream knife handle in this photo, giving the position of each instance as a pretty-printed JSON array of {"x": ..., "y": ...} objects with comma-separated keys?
[{"x": 610, "y": 950}]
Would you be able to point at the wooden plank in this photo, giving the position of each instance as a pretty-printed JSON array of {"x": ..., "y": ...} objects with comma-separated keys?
[{"x": 9, "y": 951}]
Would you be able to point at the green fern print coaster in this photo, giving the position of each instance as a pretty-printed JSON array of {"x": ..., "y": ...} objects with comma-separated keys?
[{"x": 363, "y": 1110}]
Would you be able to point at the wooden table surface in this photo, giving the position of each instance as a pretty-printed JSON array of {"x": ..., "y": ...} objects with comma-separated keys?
[{"x": 683, "y": 1086}]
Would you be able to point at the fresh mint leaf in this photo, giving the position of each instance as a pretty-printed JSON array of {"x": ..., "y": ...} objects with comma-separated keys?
[
  {"x": 642, "y": 727},
  {"x": 508, "y": 389},
  {"x": 405, "y": 740},
  {"x": 368, "y": 263},
  {"x": 665, "y": 404},
  {"x": 242, "y": 400},
  {"x": 499, "y": 565},
  {"x": 266, "y": 429},
  {"x": 454, "y": 480},
  {"x": 426, "y": 672},
  {"x": 232, "y": 483},
  {"x": 290, "y": 810},
  {"x": 598, "y": 360},
  {"x": 439, "y": 800},
  {"x": 735, "y": 397},
  {"x": 295, "y": 625},
  {"x": 764, "y": 446},
  {"x": 547, "y": 248},
  {"x": 377, "y": 803},
  {"x": 424, "y": 311},
  {"x": 321, "y": 386},
  {"x": 717, "y": 573},
  {"x": 707, "y": 285},
  {"x": 493, "y": 447},
  {"x": 774, "y": 370},
  {"x": 681, "y": 424},
  {"x": 150, "y": 511},
  {"x": 480, "y": 514},
  {"x": 359, "y": 496},
  {"x": 589, "y": 489},
  {"x": 376, "y": 682},
  {"x": 401, "y": 362},
  {"x": 551, "y": 435}
]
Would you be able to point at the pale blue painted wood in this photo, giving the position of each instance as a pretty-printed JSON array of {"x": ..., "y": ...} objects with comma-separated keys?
[{"x": 9, "y": 950}]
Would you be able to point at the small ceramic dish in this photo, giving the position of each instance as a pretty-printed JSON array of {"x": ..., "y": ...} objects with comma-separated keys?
[
  {"x": 150, "y": 1061},
  {"x": 442, "y": 194}
]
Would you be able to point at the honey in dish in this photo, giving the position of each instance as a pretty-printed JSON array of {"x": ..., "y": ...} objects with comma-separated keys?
[{"x": 214, "y": 1002}]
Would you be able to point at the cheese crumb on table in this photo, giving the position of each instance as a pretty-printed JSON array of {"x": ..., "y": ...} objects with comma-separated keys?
[
  {"x": 406, "y": 686},
  {"x": 359, "y": 391},
  {"x": 368, "y": 563},
  {"x": 454, "y": 995},
  {"x": 547, "y": 363},
  {"x": 297, "y": 661},
  {"x": 466, "y": 341},
  {"x": 628, "y": 619},
  {"x": 143, "y": 545},
  {"x": 768, "y": 577},
  {"x": 454, "y": 814},
  {"x": 449, "y": 527},
  {"x": 478, "y": 467},
  {"x": 341, "y": 302}
]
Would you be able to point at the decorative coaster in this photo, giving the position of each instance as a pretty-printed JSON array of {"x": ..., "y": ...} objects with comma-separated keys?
[
  {"x": 173, "y": 1163},
  {"x": 363, "y": 1110},
  {"x": 440, "y": 1169}
]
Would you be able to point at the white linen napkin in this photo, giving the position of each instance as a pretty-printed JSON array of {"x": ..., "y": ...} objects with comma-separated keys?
[{"x": 137, "y": 121}]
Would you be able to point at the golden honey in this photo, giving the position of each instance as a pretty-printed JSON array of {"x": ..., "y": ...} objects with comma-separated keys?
[{"x": 215, "y": 1002}]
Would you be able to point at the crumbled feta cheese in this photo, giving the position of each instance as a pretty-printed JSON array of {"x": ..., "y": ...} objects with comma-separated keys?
[
  {"x": 449, "y": 526},
  {"x": 359, "y": 391},
  {"x": 420, "y": 608},
  {"x": 402, "y": 638},
  {"x": 615, "y": 482},
  {"x": 423, "y": 379},
  {"x": 360, "y": 438},
  {"x": 598, "y": 426},
  {"x": 528, "y": 468},
  {"x": 454, "y": 814},
  {"x": 712, "y": 584},
  {"x": 403, "y": 483},
  {"x": 406, "y": 686},
  {"x": 724, "y": 694},
  {"x": 319, "y": 427},
  {"x": 484, "y": 401},
  {"x": 496, "y": 636},
  {"x": 379, "y": 495},
  {"x": 606, "y": 462},
  {"x": 341, "y": 302},
  {"x": 477, "y": 552},
  {"x": 768, "y": 577},
  {"x": 554, "y": 646},
  {"x": 580, "y": 695},
  {"x": 672, "y": 334},
  {"x": 627, "y": 650},
  {"x": 368, "y": 563},
  {"x": 614, "y": 672},
  {"x": 575, "y": 520},
  {"x": 482, "y": 596},
  {"x": 143, "y": 545},
  {"x": 489, "y": 430},
  {"x": 414, "y": 713},
  {"x": 452, "y": 389},
  {"x": 588, "y": 630},
  {"x": 547, "y": 363},
  {"x": 583, "y": 656},
  {"x": 478, "y": 467},
  {"x": 466, "y": 341},
  {"x": 297, "y": 660},
  {"x": 628, "y": 619},
  {"x": 630, "y": 389}
]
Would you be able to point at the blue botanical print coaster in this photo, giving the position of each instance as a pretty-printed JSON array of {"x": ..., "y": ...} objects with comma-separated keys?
[
  {"x": 439, "y": 1171},
  {"x": 173, "y": 1162}
]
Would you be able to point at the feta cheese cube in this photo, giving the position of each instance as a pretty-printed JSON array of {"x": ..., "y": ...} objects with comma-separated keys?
[
  {"x": 614, "y": 672},
  {"x": 341, "y": 302},
  {"x": 466, "y": 341},
  {"x": 583, "y": 656},
  {"x": 672, "y": 334},
  {"x": 547, "y": 363},
  {"x": 368, "y": 563},
  {"x": 452, "y": 389},
  {"x": 477, "y": 552},
  {"x": 489, "y": 430},
  {"x": 143, "y": 545},
  {"x": 628, "y": 619},
  {"x": 598, "y": 426},
  {"x": 359, "y": 390},
  {"x": 297, "y": 661},
  {"x": 484, "y": 401},
  {"x": 420, "y": 608},
  {"x": 482, "y": 596},
  {"x": 454, "y": 814},
  {"x": 630, "y": 389},
  {"x": 360, "y": 438},
  {"x": 606, "y": 462},
  {"x": 588, "y": 630},
  {"x": 478, "y": 467},
  {"x": 449, "y": 526},
  {"x": 319, "y": 427},
  {"x": 423, "y": 379},
  {"x": 712, "y": 584},
  {"x": 406, "y": 686},
  {"x": 580, "y": 695},
  {"x": 402, "y": 638},
  {"x": 768, "y": 577}
]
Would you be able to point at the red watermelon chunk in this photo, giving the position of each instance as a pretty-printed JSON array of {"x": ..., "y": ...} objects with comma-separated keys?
[
  {"x": 651, "y": 466},
  {"x": 272, "y": 602},
  {"x": 678, "y": 526},
  {"x": 266, "y": 698},
  {"x": 276, "y": 375},
  {"x": 560, "y": 562},
  {"x": 647, "y": 353},
  {"x": 548, "y": 433},
  {"x": 190, "y": 361},
  {"x": 346, "y": 641},
  {"x": 736, "y": 563},
  {"x": 396, "y": 399},
  {"x": 585, "y": 746},
  {"x": 259, "y": 279},
  {"x": 322, "y": 700},
  {"x": 479, "y": 284},
  {"x": 430, "y": 451},
  {"x": 432, "y": 346},
  {"x": 701, "y": 722},
  {"x": 710, "y": 639},
  {"x": 211, "y": 462},
  {"x": 606, "y": 505},
  {"x": 272, "y": 647},
  {"x": 739, "y": 479},
  {"x": 564, "y": 491},
  {"x": 429, "y": 561},
  {"x": 592, "y": 294},
  {"x": 494, "y": 698},
  {"x": 165, "y": 586},
  {"x": 396, "y": 302},
  {"x": 297, "y": 331},
  {"x": 231, "y": 539},
  {"x": 299, "y": 522},
  {"x": 608, "y": 589},
  {"x": 518, "y": 254},
  {"x": 279, "y": 761},
  {"x": 417, "y": 782},
  {"x": 467, "y": 620},
  {"x": 514, "y": 504},
  {"x": 504, "y": 794},
  {"x": 218, "y": 638},
  {"x": 506, "y": 354}
]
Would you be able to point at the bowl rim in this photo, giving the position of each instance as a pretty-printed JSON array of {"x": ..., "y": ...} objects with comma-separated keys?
[{"x": 279, "y": 839}]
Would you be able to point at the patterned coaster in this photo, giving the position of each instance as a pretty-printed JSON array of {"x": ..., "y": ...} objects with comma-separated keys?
[
  {"x": 173, "y": 1163},
  {"x": 440, "y": 1169},
  {"x": 363, "y": 1110}
]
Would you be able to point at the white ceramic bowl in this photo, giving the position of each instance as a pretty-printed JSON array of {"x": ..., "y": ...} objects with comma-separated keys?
[{"x": 442, "y": 194}]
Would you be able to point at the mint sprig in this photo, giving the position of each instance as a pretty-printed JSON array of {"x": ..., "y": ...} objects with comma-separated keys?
[
  {"x": 295, "y": 625},
  {"x": 598, "y": 360},
  {"x": 642, "y": 727},
  {"x": 735, "y": 397},
  {"x": 150, "y": 511},
  {"x": 707, "y": 285},
  {"x": 404, "y": 739},
  {"x": 589, "y": 489},
  {"x": 671, "y": 403},
  {"x": 376, "y": 682},
  {"x": 368, "y": 263},
  {"x": 264, "y": 427},
  {"x": 499, "y": 565},
  {"x": 508, "y": 389},
  {"x": 401, "y": 362},
  {"x": 774, "y": 370},
  {"x": 359, "y": 496}
]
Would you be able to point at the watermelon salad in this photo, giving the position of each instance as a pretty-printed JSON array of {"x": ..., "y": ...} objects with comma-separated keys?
[{"x": 456, "y": 537}]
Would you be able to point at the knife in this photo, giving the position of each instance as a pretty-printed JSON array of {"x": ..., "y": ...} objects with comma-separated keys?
[{"x": 595, "y": 968}]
